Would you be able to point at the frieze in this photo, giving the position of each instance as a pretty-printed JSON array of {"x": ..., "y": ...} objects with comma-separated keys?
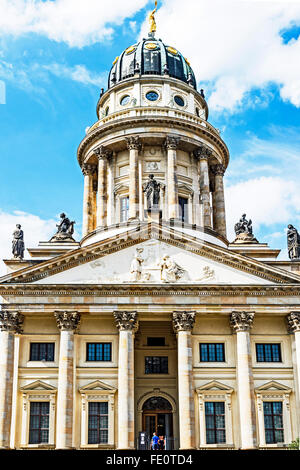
[{"x": 81, "y": 256}]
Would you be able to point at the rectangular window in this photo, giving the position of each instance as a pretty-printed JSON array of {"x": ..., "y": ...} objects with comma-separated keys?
[
  {"x": 42, "y": 352},
  {"x": 268, "y": 352},
  {"x": 39, "y": 423},
  {"x": 98, "y": 423},
  {"x": 98, "y": 351},
  {"x": 183, "y": 209},
  {"x": 215, "y": 422},
  {"x": 273, "y": 422},
  {"x": 124, "y": 209},
  {"x": 156, "y": 365},
  {"x": 212, "y": 352},
  {"x": 155, "y": 341}
]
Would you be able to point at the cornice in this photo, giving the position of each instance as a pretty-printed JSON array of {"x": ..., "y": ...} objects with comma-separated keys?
[
  {"x": 147, "y": 231},
  {"x": 173, "y": 122}
]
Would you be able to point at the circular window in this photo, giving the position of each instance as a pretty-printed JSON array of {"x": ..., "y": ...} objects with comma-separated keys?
[
  {"x": 152, "y": 95},
  {"x": 125, "y": 100},
  {"x": 178, "y": 100}
]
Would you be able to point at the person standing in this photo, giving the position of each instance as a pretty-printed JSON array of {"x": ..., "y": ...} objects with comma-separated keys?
[{"x": 155, "y": 440}]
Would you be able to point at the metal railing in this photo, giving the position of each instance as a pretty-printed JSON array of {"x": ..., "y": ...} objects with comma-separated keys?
[{"x": 171, "y": 443}]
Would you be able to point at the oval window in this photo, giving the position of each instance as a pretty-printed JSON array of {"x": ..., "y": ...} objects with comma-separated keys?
[
  {"x": 125, "y": 100},
  {"x": 178, "y": 100},
  {"x": 152, "y": 95}
]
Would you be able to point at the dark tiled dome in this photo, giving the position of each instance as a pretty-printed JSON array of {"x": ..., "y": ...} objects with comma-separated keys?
[{"x": 151, "y": 57}]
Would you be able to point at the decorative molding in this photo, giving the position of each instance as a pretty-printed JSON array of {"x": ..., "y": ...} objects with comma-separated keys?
[
  {"x": 183, "y": 321},
  {"x": 126, "y": 320},
  {"x": 67, "y": 321},
  {"x": 202, "y": 152},
  {"x": 218, "y": 169},
  {"x": 241, "y": 321},
  {"x": 102, "y": 152},
  {"x": 134, "y": 143},
  {"x": 11, "y": 321},
  {"x": 172, "y": 142},
  {"x": 88, "y": 169},
  {"x": 293, "y": 322}
]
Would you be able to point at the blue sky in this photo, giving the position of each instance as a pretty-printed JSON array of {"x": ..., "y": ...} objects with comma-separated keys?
[{"x": 54, "y": 59}]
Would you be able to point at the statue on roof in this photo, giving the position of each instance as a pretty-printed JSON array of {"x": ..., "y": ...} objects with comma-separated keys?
[
  {"x": 293, "y": 242},
  {"x": 244, "y": 231},
  {"x": 18, "y": 246},
  {"x": 152, "y": 19},
  {"x": 65, "y": 230}
]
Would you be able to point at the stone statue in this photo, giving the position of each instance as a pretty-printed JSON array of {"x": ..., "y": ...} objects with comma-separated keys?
[
  {"x": 293, "y": 242},
  {"x": 169, "y": 270},
  {"x": 18, "y": 246},
  {"x": 136, "y": 266},
  {"x": 65, "y": 230},
  {"x": 244, "y": 231},
  {"x": 152, "y": 190}
]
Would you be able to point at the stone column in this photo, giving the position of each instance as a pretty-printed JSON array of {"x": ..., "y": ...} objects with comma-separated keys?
[
  {"x": 219, "y": 218},
  {"x": 94, "y": 204},
  {"x": 10, "y": 323},
  {"x": 102, "y": 155},
  {"x": 127, "y": 324},
  {"x": 133, "y": 145},
  {"x": 171, "y": 144},
  {"x": 67, "y": 322},
  {"x": 183, "y": 323},
  {"x": 241, "y": 322},
  {"x": 293, "y": 324},
  {"x": 203, "y": 154},
  {"x": 87, "y": 221}
]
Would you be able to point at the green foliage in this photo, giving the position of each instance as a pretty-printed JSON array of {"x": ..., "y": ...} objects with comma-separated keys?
[{"x": 294, "y": 445}]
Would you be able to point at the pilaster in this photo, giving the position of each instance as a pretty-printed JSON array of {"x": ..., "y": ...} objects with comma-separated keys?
[
  {"x": 134, "y": 145},
  {"x": 87, "y": 221},
  {"x": 202, "y": 154},
  {"x": 171, "y": 144},
  {"x": 219, "y": 218}
]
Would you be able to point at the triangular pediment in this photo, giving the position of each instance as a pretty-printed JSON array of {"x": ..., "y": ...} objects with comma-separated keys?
[
  {"x": 273, "y": 386},
  {"x": 97, "y": 386},
  {"x": 214, "y": 386},
  {"x": 190, "y": 260},
  {"x": 38, "y": 385}
]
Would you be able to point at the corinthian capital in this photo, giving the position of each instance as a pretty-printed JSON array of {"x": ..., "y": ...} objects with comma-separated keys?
[
  {"x": 67, "y": 321},
  {"x": 126, "y": 320},
  {"x": 183, "y": 321},
  {"x": 88, "y": 169},
  {"x": 241, "y": 321},
  {"x": 102, "y": 152},
  {"x": 134, "y": 142},
  {"x": 218, "y": 169},
  {"x": 202, "y": 152},
  {"x": 293, "y": 322},
  {"x": 172, "y": 142},
  {"x": 11, "y": 321}
]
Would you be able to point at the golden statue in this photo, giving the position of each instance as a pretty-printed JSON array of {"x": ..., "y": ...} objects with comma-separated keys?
[{"x": 152, "y": 20}]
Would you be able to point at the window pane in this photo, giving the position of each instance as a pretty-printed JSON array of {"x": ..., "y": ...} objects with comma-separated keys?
[
  {"x": 203, "y": 353},
  {"x": 268, "y": 352},
  {"x": 260, "y": 353},
  {"x": 39, "y": 423},
  {"x": 156, "y": 365},
  {"x": 98, "y": 352},
  {"x": 273, "y": 422},
  {"x": 212, "y": 352}
]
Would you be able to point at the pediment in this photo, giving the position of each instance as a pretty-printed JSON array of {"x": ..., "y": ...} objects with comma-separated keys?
[
  {"x": 214, "y": 386},
  {"x": 97, "y": 386},
  {"x": 190, "y": 260},
  {"x": 38, "y": 385},
  {"x": 273, "y": 386}
]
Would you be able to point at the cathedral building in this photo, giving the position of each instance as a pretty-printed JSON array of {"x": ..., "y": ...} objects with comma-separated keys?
[{"x": 154, "y": 321}]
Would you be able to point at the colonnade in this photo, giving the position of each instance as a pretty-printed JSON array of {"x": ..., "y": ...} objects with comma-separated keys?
[
  {"x": 127, "y": 323},
  {"x": 210, "y": 181}
]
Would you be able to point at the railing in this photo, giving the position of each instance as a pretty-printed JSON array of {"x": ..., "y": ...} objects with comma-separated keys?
[
  {"x": 171, "y": 443},
  {"x": 153, "y": 111}
]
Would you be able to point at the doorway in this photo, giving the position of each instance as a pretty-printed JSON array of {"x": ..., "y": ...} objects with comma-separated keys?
[{"x": 158, "y": 417}]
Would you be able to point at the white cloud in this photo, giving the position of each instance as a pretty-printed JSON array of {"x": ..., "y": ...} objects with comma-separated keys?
[
  {"x": 35, "y": 230},
  {"x": 75, "y": 22},
  {"x": 266, "y": 200},
  {"x": 78, "y": 73},
  {"x": 235, "y": 46}
]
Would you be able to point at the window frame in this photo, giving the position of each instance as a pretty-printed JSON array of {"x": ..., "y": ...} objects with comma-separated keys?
[
  {"x": 88, "y": 343},
  {"x": 40, "y": 415},
  {"x": 160, "y": 357},
  {"x": 31, "y": 343},
  {"x": 126, "y": 210},
  {"x": 215, "y": 344},
  {"x": 98, "y": 415},
  {"x": 214, "y": 415},
  {"x": 264, "y": 352}
]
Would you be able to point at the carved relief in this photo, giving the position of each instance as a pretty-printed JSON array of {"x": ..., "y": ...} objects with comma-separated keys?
[
  {"x": 136, "y": 266},
  {"x": 170, "y": 271},
  {"x": 208, "y": 274},
  {"x": 241, "y": 321},
  {"x": 183, "y": 321},
  {"x": 293, "y": 322},
  {"x": 126, "y": 320},
  {"x": 11, "y": 321},
  {"x": 67, "y": 321}
]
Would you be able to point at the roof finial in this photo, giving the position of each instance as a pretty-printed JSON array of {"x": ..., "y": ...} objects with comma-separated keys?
[{"x": 152, "y": 21}]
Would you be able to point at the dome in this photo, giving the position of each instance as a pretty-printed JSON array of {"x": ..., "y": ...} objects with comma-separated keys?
[{"x": 151, "y": 57}]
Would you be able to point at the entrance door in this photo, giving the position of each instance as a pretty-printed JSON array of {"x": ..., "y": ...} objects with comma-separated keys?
[{"x": 158, "y": 417}]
